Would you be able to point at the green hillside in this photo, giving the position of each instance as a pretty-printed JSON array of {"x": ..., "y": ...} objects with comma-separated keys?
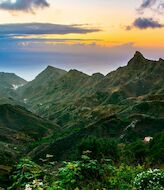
[
  {"x": 74, "y": 94},
  {"x": 91, "y": 121},
  {"x": 42, "y": 82},
  {"x": 18, "y": 129}
]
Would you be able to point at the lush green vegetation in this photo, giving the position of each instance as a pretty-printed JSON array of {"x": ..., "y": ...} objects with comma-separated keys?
[
  {"x": 100, "y": 163},
  {"x": 85, "y": 174}
]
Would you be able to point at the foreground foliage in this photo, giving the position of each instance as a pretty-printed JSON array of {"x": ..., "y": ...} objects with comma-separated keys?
[{"x": 85, "y": 174}]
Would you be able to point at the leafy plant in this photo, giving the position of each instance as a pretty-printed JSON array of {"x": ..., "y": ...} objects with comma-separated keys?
[
  {"x": 122, "y": 177},
  {"x": 78, "y": 173},
  {"x": 150, "y": 180},
  {"x": 25, "y": 172}
]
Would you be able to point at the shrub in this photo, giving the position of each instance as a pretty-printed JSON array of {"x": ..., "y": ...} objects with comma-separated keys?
[
  {"x": 68, "y": 175},
  {"x": 80, "y": 173},
  {"x": 25, "y": 172},
  {"x": 150, "y": 180},
  {"x": 123, "y": 176}
]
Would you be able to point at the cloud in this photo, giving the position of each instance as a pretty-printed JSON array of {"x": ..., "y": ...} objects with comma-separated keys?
[
  {"x": 156, "y": 6},
  {"x": 147, "y": 4},
  {"x": 12, "y": 30},
  {"x": 23, "y": 5},
  {"x": 153, "y": 7},
  {"x": 144, "y": 23},
  {"x": 161, "y": 8}
]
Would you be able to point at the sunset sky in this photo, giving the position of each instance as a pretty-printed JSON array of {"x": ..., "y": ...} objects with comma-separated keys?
[{"x": 88, "y": 35}]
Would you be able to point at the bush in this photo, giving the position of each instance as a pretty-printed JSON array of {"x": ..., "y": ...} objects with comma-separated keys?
[
  {"x": 24, "y": 173},
  {"x": 150, "y": 180},
  {"x": 80, "y": 173},
  {"x": 123, "y": 176},
  {"x": 68, "y": 175}
]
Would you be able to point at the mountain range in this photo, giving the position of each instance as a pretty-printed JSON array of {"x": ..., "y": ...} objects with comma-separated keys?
[{"x": 53, "y": 113}]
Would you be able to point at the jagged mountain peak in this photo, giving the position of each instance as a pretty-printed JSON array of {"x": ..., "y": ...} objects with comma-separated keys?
[
  {"x": 74, "y": 72},
  {"x": 138, "y": 54},
  {"x": 138, "y": 57},
  {"x": 137, "y": 60},
  {"x": 49, "y": 72},
  {"x": 50, "y": 68}
]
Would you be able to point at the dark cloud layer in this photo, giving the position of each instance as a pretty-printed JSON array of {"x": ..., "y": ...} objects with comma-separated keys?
[
  {"x": 41, "y": 28},
  {"x": 23, "y": 5},
  {"x": 145, "y": 23}
]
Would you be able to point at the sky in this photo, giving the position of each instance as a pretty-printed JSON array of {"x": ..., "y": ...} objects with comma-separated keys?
[{"x": 87, "y": 35}]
